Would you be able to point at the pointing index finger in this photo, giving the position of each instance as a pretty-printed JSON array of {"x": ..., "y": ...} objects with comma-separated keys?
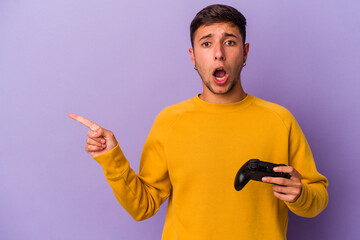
[{"x": 86, "y": 122}]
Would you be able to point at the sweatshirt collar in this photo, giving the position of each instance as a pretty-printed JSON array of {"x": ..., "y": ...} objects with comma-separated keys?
[{"x": 222, "y": 107}]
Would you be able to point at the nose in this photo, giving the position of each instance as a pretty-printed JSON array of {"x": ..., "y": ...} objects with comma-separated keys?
[{"x": 219, "y": 52}]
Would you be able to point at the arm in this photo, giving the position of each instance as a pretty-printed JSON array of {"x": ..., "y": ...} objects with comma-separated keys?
[
  {"x": 140, "y": 194},
  {"x": 305, "y": 192},
  {"x": 314, "y": 196}
]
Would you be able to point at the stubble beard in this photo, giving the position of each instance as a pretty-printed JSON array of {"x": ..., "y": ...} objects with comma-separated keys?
[
  {"x": 208, "y": 85},
  {"x": 230, "y": 88}
]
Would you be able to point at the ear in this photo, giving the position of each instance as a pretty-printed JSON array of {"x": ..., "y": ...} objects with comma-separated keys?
[
  {"x": 246, "y": 50},
  {"x": 192, "y": 56}
]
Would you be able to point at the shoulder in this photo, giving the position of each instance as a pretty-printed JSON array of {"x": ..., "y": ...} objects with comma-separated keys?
[
  {"x": 175, "y": 110},
  {"x": 169, "y": 115},
  {"x": 274, "y": 109}
]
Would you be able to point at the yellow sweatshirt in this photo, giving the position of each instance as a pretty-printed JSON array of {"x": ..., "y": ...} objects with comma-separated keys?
[{"x": 192, "y": 155}]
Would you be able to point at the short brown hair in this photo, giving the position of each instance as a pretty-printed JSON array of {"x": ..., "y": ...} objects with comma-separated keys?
[{"x": 215, "y": 14}]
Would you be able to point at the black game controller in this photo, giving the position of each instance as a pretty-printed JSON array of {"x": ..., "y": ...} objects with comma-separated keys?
[{"x": 254, "y": 169}]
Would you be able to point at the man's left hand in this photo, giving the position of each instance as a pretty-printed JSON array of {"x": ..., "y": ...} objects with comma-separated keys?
[{"x": 288, "y": 190}]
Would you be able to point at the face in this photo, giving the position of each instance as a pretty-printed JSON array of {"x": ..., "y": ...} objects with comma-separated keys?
[{"x": 219, "y": 55}]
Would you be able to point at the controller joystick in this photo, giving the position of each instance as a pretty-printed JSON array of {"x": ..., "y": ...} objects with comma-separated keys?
[{"x": 254, "y": 169}]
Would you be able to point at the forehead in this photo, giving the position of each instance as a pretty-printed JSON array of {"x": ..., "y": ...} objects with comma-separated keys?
[{"x": 217, "y": 28}]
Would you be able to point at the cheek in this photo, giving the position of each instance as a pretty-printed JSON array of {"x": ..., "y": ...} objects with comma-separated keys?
[
  {"x": 203, "y": 63},
  {"x": 203, "y": 56},
  {"x": 237, "y": 60}
]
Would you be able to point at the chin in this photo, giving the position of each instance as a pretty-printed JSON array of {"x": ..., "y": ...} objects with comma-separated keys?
[{"x": 222, "y": 90}]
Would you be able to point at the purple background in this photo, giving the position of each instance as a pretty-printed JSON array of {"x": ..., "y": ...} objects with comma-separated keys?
[{"x": 119, "y": 63}]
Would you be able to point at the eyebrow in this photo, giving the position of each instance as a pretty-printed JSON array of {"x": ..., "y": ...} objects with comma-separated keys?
[
  {"x": 229, "y": 35},
  {"x": 206, "y": 36},
  {"x": 224, "y": 34}
]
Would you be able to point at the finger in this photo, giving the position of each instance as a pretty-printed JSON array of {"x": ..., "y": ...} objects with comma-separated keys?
[
  {"x": 91, "y": 148},
  {"x": 96, "y": 135},
  {"x": 285, "y": 169},
  {"x": 287, "y": 197},
  {"x": 277, "y": 180},
  {"x": 99, "y": 140},
  {"x": 91, "y": 141},
  {"x": 286, "y": 190},
  {"x": 85, "y": 121},
  {"x": 284, "y": 197},
  {"x": 288, "y": 169}
]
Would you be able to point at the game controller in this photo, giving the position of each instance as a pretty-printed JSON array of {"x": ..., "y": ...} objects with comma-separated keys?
[{"x": 254, "y": 169}]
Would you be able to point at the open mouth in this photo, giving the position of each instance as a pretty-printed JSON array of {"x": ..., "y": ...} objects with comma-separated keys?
[{"x": 220, "y": 75}]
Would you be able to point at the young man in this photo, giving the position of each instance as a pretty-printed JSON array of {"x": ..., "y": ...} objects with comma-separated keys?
[{"x": 196, "y": 147}]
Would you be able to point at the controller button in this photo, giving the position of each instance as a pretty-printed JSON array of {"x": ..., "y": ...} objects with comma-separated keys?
[{"x": 253, "y": 165}]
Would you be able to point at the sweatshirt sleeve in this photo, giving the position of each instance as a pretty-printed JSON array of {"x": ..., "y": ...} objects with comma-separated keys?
[
  {"x": 140, "y": 194},
  {"x": 314, "y": 196}
]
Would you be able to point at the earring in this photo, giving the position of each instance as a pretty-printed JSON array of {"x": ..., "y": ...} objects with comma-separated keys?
[
  {"x": 244, "y": 64},
  {"x": 195, "y": 68}
]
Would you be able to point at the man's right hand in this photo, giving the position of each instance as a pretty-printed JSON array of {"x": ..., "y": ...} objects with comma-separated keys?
[{"x": 99, "y": 139}]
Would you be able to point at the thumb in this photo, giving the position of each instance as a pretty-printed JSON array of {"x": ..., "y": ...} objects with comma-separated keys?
[
  {"x": 98, "y": 132},
  {"x": 102, "y": 132}
]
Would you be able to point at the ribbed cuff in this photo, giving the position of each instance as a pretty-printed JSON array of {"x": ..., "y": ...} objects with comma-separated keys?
[
  {"x": 299, "y": 204},
  {"x": 113, "y": 162}
]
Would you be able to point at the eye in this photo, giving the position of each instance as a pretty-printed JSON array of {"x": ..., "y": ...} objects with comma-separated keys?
[
  {"x": 230, "y": 43},
  {"x": 205, "y": 44}
]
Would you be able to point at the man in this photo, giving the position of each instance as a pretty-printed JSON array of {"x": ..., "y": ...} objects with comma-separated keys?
[{"x": 196, "y": 147}]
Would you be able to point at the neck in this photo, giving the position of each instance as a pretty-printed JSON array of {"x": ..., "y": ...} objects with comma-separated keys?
[{"x": 234, "y": 95}]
